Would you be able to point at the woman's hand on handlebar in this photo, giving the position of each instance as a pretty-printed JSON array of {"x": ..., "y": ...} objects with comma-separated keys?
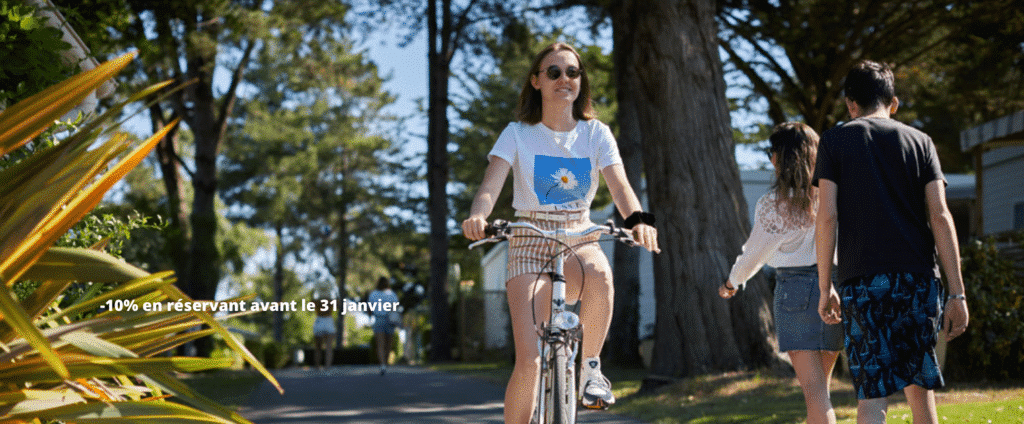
[
  {"x": 473, "y": 227},
  {"x": 646, "y": 236}
]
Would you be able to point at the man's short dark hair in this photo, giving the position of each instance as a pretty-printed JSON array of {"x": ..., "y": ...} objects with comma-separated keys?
[{"x": 870, "y": 84}]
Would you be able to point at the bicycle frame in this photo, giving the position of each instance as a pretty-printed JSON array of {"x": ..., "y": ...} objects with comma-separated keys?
[{"x": 560, "y": 336}]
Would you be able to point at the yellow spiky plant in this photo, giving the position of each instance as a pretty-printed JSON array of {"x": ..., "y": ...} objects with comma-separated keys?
[{"x": 106, "y": 368}]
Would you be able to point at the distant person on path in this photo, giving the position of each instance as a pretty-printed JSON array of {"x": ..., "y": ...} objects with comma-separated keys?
[
  {"x": 883, "y": 199},
  {"x": 783, "y": 237},
  {"x": 557, "y": 151},
  {"x": 324, "y": 332},
  {"x": 383, "y": 325}
]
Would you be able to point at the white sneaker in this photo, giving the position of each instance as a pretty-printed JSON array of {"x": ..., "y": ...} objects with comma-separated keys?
[{"x": 595, "y": 389}]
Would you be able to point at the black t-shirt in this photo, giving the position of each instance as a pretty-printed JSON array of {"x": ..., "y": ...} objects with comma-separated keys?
[{"x": 880, "y": 167}]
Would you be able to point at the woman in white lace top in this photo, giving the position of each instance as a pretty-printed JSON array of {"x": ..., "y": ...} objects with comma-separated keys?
[{"x": 783, "y": 238}]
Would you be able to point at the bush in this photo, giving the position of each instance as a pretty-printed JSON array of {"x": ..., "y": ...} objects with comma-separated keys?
[
  {"x": 275, "y": 355},
  {"x": 993, "y": 346}
]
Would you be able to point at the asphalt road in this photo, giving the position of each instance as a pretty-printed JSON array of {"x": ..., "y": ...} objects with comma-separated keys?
[{"x": 360, "y": 395}]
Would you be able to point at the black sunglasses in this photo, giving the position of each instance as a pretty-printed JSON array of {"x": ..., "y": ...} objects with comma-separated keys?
[{"x": 554, "y": 72}]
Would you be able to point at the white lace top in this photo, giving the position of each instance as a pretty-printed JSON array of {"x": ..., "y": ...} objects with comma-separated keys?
[{"x": 777, "y": 240}]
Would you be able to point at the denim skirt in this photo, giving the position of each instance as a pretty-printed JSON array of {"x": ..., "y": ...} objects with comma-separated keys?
[{"x": 797, "y": 323}]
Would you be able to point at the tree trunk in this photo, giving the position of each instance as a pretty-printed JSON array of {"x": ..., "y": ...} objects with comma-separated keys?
[
  {"x": 279, "y": 283},
  {"x": 178, "y": 235},
  {"x": 342, "y": 267},
  {"x": 203, "y": 272},
  {"x": 204, "y": 257},
  {"x": 208, "y": 122},
  {"x": 694, "y": 188},
  {"x": 437, "y": 178},
  {"x": 623, "y": 345}
]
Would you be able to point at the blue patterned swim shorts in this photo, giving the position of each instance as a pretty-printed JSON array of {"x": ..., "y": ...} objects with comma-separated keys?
[{"x": 891, "y": 323}]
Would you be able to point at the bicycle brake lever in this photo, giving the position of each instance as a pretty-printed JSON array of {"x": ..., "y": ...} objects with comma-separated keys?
[
  {"x": 621, "y": 234},
  {"x": 496, "y": 232},
  {"x": 495, "y": 228}
]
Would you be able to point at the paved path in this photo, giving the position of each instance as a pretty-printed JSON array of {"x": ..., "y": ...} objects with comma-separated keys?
[{"x": 360, "y": 395}]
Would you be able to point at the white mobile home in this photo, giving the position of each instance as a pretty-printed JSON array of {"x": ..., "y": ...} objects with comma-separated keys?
[{"x": 998, "y": 149}]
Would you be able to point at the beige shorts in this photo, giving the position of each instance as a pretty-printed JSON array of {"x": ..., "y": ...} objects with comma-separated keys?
[{"x": 533, "y": 255}]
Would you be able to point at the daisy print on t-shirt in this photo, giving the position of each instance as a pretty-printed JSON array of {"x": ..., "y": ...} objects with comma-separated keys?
[{"x": 561, "y": 181}]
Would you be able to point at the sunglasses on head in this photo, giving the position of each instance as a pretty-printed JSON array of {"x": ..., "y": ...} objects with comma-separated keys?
[{"x": 554, "y": 72}]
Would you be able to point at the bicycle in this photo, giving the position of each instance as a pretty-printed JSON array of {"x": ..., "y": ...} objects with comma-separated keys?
[{"x": 559, "y": 337}]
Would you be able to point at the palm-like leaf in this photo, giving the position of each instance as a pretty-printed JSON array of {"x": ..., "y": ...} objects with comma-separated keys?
[{"x": 105, "y": 368}]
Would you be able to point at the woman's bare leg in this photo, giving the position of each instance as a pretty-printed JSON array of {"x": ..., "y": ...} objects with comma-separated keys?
[
  {"x": 382, "y": 353},
  {"x": 521, "y": 392},
  {"x": 598, "y": 295},
  {"x": 328, "y": 350},
  {"x": 828, "y": 364},
  {"x": 317, "y": 353},
  {"x": 814, "y": 372}
]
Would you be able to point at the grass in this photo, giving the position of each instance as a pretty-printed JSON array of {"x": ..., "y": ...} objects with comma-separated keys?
[
  {"x": 494, "y": 372},
  {"x": 764, "y": 398},
  {"x": 970, "y": 405},
  {"x": 738, "y": 397}
]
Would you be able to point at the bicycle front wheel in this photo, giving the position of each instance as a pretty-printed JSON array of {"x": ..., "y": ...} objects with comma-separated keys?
[{"x": 563, "y": 390}]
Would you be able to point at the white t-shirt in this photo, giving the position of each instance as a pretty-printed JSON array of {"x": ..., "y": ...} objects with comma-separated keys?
[{"x": 556, "y": 171}]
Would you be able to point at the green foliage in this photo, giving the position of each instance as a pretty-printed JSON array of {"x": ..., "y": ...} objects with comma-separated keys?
[
  {"x": 273, "y": 355},
  {"x": 957, "y": 64},
  {"x": 993, "y": 346},
  {"x": 115, "y": 231},
  {"x": 30, "y": 51},
  {"x": 296, "y": 326},
  {"x": 978, "y": 79}
]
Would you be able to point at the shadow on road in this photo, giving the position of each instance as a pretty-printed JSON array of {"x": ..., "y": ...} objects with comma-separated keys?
[{"x": 360, "y": 395}]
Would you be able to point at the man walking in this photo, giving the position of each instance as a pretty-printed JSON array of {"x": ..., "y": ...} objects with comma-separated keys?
[{"x": 882, "y": 197}]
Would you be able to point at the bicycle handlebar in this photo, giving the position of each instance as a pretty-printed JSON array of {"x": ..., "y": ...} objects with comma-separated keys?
[{"x": 500, "y": 230}]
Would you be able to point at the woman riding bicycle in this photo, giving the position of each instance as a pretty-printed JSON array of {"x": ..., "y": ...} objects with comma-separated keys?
[{"x": 556, "y": 150}]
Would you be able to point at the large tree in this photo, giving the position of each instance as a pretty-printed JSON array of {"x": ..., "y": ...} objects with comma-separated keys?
[
  {"x": 673, "y": 114},
  {"x": 674, "y": 70},
  {"x": 303, "y": 161},
  {"x": 451, "y": 27}
]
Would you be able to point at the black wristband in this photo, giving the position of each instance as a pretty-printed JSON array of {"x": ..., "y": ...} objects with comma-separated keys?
[{"x": 639, "y": 218}]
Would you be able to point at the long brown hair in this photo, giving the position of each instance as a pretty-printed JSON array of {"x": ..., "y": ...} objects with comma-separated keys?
[
  {"x": 796, "y": 148},
  {"x": 529, "y": 109}
]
